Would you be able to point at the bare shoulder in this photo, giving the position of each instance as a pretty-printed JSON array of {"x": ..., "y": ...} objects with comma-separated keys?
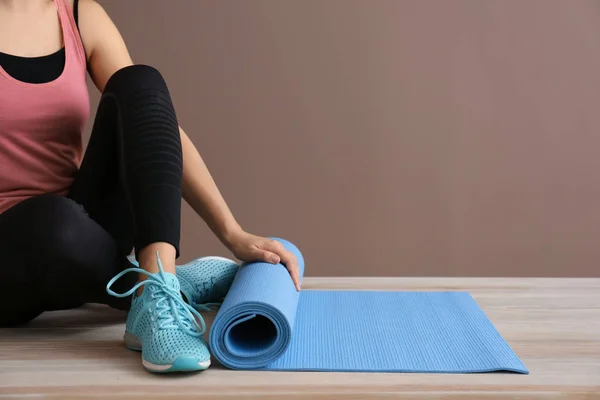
[
  {"x": 90, "y": 6},
  {"x": 104, "y": 45},
  {"x": 92, "y": 14},
  {"x": 94, "y": 24}
]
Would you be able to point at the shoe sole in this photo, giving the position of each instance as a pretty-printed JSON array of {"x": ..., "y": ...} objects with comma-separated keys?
[{"x": 181, "y": 364}]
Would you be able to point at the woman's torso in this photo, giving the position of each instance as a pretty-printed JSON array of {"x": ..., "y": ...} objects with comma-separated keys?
[{"x": 44, "y": 105}]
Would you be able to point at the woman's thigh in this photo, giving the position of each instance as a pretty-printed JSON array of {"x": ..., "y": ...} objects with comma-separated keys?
[{"x": 52, "y": 256}]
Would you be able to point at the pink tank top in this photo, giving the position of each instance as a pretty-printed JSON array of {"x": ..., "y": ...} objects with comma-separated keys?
[{"x": 41, "y": 125}]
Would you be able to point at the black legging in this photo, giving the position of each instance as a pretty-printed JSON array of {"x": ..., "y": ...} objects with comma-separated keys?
[{"x": 59, "y": 252}]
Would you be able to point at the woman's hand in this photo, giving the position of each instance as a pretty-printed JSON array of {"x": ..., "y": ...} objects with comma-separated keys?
[{"x": 248, "y": 247}]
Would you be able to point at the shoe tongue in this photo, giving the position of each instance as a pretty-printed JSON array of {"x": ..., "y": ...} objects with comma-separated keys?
[
  {"x": 170, "y": 280},
  {"x": 185, "y": 288}
]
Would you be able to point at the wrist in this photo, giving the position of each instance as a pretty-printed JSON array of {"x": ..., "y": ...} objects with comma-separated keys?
[{"x": 228, "y": 233}]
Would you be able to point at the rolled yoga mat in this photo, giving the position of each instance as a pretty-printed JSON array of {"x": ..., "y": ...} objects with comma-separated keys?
[{"x": 265, "y": 324}]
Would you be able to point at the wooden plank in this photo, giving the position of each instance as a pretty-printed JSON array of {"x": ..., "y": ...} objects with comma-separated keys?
[{"x": 552, "y": 324}]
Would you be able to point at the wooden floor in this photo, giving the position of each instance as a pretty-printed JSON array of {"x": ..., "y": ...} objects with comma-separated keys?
[{"x": 552, "y": 324}]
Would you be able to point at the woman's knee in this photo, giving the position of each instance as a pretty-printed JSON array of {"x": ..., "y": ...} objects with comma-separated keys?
[
  {"x": 47, "y": 229},
  {"x": 57, "y": 223},
  {"x": 46, "y": 208},
  {"x": 133, "y": 78},
  {"x": 144, "y": 103}
]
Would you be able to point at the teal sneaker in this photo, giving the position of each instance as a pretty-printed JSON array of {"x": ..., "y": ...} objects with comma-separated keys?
[
  {"x": 162, "y": 325},
  {"x": 205, "y": 281}
]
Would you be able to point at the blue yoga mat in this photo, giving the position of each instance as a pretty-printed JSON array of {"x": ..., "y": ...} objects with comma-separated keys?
[{"x": 265, "y": 324}]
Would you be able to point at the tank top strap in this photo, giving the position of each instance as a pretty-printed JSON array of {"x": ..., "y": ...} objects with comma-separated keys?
[{"x": 73, "y": 45}]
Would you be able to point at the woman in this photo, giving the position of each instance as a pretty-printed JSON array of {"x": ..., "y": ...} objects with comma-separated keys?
[{"x": 67, "y": 222}]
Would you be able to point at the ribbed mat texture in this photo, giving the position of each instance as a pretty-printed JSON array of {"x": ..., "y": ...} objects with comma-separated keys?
[{"x": 265, "y": 324}]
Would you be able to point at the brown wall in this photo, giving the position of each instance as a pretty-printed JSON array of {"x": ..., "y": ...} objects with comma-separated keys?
[{"x": 391, "y": 137}]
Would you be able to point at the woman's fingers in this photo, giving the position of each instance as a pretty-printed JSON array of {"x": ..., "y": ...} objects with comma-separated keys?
[
  {"x": 291, "y": 264},
  {"x": 266, "y": 256},
  {"x": 287, "y": 258}
]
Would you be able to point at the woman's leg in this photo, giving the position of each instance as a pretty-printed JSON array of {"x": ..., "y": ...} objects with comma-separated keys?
[
  {"x": 130, "y": 183},
  {"x": 54, "y": 257},
  {"x": 131, "y": 176}
]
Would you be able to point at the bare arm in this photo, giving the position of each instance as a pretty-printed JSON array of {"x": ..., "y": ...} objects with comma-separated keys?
[
  {"x": 107, "y": 53},
  {"x": 202, "y": 194}
]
